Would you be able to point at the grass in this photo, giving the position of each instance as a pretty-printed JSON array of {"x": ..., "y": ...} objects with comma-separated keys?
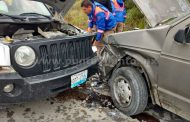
[
  {"x": 76, "y": 17},
  {"x": 134, "y": 17}
]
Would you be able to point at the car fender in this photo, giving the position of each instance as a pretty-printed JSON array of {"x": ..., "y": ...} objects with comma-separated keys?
[{"x": 149, "y": 72}]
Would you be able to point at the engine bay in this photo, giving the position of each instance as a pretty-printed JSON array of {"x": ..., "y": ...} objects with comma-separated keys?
[{"x": 33, "y": 31}]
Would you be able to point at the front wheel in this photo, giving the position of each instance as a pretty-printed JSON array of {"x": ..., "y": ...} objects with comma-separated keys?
[{"x": 128, "y": 90}]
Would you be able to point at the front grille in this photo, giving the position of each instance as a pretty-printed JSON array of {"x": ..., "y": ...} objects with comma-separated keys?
[
  {"x": 54, "y": 54},
  {"x": 57, "y": 56}
]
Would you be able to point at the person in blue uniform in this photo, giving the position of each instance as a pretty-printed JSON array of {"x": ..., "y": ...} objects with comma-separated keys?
[
  {"x": 119, "y": 12},
  {"x": 104, "y": 20}
]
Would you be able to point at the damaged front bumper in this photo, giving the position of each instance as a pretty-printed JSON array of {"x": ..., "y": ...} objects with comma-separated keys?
[{"x": 41, "y": 86}]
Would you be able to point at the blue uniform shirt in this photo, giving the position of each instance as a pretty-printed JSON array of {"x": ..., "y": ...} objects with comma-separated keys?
[
  {"x": 119, "y": 15},
  {"x": 102, "y": 18}
]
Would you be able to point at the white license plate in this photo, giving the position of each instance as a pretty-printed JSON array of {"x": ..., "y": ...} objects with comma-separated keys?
[{"x": 79, "y": 78}]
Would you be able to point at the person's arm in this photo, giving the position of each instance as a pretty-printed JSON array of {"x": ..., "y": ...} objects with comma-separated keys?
[
  {"x": 90, "y": 24},
  {"x": 101, "y": 24}
]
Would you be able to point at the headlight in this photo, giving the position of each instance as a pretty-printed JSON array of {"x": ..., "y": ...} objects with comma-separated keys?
[{"x": 25, "y": 56}]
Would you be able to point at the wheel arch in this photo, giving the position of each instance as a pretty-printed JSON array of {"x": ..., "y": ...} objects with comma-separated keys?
[{"x": 147, "y": 70}]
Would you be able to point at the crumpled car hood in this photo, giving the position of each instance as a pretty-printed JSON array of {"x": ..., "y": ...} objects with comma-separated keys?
[
  {"x": 157, "y": 11},
  {"x": 62, "y": 6}
]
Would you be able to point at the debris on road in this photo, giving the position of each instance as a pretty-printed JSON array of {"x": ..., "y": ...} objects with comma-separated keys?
[{"x": 81, "y": 104}]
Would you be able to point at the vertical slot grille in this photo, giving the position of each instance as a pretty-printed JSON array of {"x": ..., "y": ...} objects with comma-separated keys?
[
  {"x": 64, "y": 54},
  {"x": 45, "y": 60},
  {"x": 55, "y": 56}
]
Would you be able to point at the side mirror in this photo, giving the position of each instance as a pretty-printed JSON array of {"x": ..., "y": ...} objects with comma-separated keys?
[{"x": 183, "y": 36}]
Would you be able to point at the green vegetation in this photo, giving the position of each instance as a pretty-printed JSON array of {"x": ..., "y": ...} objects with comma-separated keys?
[
  {"x": 76, "y": 17},
  {"x": 134, "y": 17}
]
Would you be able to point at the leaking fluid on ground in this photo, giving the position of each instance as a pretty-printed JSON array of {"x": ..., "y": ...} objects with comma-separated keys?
[{"x": 95, "y": 98}]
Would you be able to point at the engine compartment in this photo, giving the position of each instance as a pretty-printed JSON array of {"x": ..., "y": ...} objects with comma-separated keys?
[{"x": 33, "y": 31}]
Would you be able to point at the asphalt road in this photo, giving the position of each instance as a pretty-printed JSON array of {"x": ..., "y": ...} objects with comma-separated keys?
[
  {"x": 70, "y": 106},
  {"x": 77, "y": 106}
]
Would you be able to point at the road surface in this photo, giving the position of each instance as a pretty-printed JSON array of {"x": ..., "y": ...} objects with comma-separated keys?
[{"x": 77, "y": 106}]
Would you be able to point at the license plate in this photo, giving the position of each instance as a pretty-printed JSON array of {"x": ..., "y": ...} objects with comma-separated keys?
[{"x": 79, "y": 78}]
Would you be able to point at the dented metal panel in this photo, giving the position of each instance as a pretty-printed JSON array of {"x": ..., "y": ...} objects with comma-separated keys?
[
  {"x": 147, "y": 39},
  {"x": 157, "y": 11}
]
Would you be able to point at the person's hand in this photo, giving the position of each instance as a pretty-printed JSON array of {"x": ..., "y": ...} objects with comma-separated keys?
[
  {"x": 94, "y": 49},
  {"x": 89, "y": 30}
]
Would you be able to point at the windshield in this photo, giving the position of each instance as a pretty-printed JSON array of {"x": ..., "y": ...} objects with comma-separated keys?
[
  {"x": 157, "y": 11},
  {"x": 18, "y": 7}
]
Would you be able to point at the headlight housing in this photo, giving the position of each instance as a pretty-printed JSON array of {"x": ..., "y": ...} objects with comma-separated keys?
[{"x": 25, "y": 56}]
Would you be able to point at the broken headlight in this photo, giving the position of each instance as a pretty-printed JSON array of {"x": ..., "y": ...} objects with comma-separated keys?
[{"x": 25, "y": 56}]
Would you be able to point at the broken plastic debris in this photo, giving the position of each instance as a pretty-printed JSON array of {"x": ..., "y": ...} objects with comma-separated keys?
[
  {"x": 7, "y": 39},
  {"x": 93, "y": 84},
  {"x": 112, "y": 114}
]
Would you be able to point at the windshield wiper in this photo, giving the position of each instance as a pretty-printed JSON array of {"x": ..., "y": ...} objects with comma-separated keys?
[
  {"x": 33, "y": 13},
  {"x": 13, "y": 17}
]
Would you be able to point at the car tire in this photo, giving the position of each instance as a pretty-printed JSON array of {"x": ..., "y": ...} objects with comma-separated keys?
[{"x": 128, "y": 90}]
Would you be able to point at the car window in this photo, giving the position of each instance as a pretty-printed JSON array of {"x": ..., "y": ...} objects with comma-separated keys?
[{"x": 17, "y": 7}]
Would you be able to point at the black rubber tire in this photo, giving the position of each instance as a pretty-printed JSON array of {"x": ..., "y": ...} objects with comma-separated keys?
[{"x": 139, "y": 97}]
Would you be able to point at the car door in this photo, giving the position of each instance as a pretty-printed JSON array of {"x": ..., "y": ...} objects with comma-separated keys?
[{"x": 174, "y": 73}]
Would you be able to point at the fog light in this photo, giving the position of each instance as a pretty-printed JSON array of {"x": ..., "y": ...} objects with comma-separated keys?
[{"x": 8, "y": 88}]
